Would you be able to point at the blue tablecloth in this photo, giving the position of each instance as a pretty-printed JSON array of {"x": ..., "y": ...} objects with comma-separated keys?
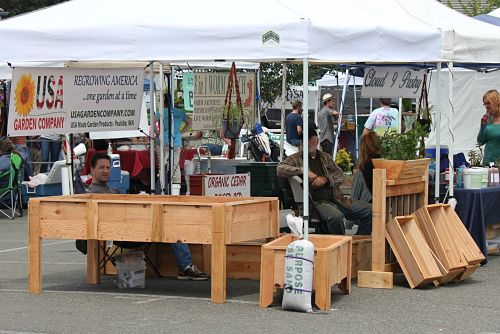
[{"x": 478, "y": 208}]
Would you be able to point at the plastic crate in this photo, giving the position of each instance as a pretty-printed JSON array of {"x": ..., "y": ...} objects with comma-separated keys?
[{"x": 263, "y": 178}]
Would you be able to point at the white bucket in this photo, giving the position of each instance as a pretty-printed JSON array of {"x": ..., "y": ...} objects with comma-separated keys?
[
  {"x": 176, "y": 189},
  {"x": 473, "y": 178}
]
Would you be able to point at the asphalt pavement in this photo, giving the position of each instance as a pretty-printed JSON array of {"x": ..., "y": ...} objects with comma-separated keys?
[{"x": 166, "y": 305}]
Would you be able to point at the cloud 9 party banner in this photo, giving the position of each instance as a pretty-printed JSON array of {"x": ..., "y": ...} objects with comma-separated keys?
[{"x": 67, "y": 100}]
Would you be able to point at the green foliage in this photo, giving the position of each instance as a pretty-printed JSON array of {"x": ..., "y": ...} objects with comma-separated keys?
[
  {"x": 475, "y": 156},
  {"x": 16, "y": 7},
  {"x": 271, "y": 78},
  {"x": 401, "y": 146},
  {"x": 475, "y": 7},
  {"x": 343, "y": 160},
  {"x": 243, "y": 116}
]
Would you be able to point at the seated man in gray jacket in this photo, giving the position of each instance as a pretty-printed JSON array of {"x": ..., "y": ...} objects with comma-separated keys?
[
  {"x": 100, "y": 168},
  {"x": 325, "y": 177}
]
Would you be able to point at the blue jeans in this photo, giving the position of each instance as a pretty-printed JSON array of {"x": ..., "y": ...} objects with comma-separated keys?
[
  {"x": 214, "y": 149},
  {"x": 182, "y": 255},
  {"x": 360, "y": 213},
  {"x": 50, "y": 153}
]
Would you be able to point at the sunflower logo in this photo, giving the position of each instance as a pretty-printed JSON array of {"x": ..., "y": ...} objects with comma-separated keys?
[{"x": 25, "y": 95}]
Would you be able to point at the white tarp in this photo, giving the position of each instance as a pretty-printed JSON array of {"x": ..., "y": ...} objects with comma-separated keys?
[
  {"x": 469, "y": 88},
  {"x": 120, "y": 30},
  {"x": 330, "y": 80},
  {"x": 496, "y": 12}
]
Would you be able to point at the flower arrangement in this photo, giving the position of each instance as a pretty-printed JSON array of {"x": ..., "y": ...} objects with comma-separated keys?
[{"x": 343, "y": 160}]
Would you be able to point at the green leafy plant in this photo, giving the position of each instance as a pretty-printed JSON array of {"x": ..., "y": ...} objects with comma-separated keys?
[
  {"x": 242, "y": 116},
  {"x": 476, "y": 156},
  {"x": 402, "y": 146},
  {"x": 343, "y": 160}
]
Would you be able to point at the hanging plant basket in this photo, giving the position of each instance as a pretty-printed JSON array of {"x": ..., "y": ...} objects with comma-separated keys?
[{"x": 231, "y": 128}]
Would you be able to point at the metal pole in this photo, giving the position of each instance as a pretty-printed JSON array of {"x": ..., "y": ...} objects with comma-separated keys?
[
  {"x": 451, "y": 125},
  {"x": 400, "y": 114},
  {"x": 305, "y": 156},
  {"x": 356, "y": 118},
  {"x": 437, "y": 167},
  {"x": 341, "y": 111},
  {"x": 258, "y": 95},
  {"x": 283, "y": 101},
  {"x": 152, "y": 127},
  {"x": 162, "y": 131}
]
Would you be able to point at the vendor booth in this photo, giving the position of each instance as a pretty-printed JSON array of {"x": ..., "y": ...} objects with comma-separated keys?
[{"x": 119, "y": 31}]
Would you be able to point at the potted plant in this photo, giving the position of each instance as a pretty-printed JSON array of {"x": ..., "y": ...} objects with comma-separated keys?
[
  {"x": 401, "y": 155},
  {"x": 231, "y": 120}
]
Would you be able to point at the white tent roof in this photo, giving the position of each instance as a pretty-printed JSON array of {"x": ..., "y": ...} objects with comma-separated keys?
[
  {"x": 329, "y": 80},
  {"x": 464, "y": 38},
  {"x": 496, "y": 12},
  {"x": 122, "y": 30}
]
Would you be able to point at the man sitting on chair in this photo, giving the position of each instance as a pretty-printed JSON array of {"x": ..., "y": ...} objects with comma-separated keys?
[
  {"x": 100, "y": 165},
  {"x": 325, "y": 177}
]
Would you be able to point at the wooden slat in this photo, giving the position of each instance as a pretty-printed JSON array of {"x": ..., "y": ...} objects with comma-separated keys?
[
  {"x": 63, "y": 220},
  {"x": 378, "y": 221},
  {"x": 187, "y": 224},
  {"x": 406, "y": 189},
  {"x": 375, "y": 279},
  {"x": 34, "y": 249},
  {"x": 218, "y": 279},
  {"x": 250, "y": 222}
]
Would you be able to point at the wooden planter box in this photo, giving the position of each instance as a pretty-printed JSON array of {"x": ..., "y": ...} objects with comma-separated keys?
[
  {"x": 402, "y": 169},
  {"x": 414, "y": 255},
  {"x": 215, "y": 221},
  {"x": 332, "y": 265},
  {"x": 464, "y": 241},
  {"x": 440, "y": 237},
  {"x": 361, "y": 254}
]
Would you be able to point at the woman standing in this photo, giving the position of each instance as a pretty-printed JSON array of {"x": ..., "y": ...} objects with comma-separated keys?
[
  {"x": 489, "y": 133},
  {"x": 368, "y": 150}
]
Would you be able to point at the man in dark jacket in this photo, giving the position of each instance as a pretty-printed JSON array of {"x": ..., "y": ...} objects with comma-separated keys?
[{"x": 325, "y": 177}]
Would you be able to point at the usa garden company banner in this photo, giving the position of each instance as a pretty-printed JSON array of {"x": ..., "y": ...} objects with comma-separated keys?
[
  {"x": 390, "y": 82},
  {"x": 210, "y": 92},
  {"x": 67, "y": 100}
]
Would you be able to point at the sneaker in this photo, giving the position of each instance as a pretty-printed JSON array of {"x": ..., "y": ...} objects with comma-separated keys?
[{"x": 192, "y": 273}]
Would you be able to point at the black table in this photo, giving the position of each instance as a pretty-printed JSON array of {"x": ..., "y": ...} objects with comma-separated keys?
[{"x": 478, "y": 208}]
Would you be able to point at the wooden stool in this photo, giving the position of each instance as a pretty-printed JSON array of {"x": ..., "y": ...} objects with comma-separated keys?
[{"x": 332, "y": 265}]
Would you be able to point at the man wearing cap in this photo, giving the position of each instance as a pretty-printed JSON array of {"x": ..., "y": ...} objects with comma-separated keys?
[
  {"x": 325, "y": 178},
  {"x": 326, "y": 117},
  {"x": 383, "y": 119}
]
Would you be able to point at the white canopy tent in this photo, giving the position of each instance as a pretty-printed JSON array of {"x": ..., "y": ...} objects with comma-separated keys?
[{"x": 120, "y": 30}]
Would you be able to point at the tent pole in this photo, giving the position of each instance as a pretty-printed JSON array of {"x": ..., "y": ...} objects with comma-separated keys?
[
  {"x": 437, "y": 167},
  {"x": 283, "y": 101},
  {"x": 152, "y": 127},
  {"x": 162, "y": 130},
  {"x": 451, "y": 126},
  {"x": 341, "y": 111},
  {"x": 305, "y": 155},
  {"x": 400, "y": 114},
  {"x": 171, "y": 124},
  {"x": 257, "y": 96},
  {"x": 356, "y": 118}
]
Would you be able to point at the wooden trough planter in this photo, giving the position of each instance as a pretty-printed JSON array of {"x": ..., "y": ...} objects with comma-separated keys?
[
  {"x": 414, "y": 255},
  {"x": 402, "y": 169},
  {"x": 440, "y": 237},
  {"x": 332, "y": 265},
  {"x": 215, "y": 221}
]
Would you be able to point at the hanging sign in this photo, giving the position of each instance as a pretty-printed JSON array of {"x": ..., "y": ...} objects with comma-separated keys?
[
  {"x": 210, "y": 92},
  {"x": 389, "y": 82},
  {"x": 227, "y": 185},
  {"x": 187, "y": 90},
  {"x": 70, "y": 100}
]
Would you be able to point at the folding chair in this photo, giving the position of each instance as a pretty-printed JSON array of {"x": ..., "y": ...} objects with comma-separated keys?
[
  {"x": 109, "y": 253},
  {"x": 296, "y": 185},
  {"x": 10, "y": 193}
]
